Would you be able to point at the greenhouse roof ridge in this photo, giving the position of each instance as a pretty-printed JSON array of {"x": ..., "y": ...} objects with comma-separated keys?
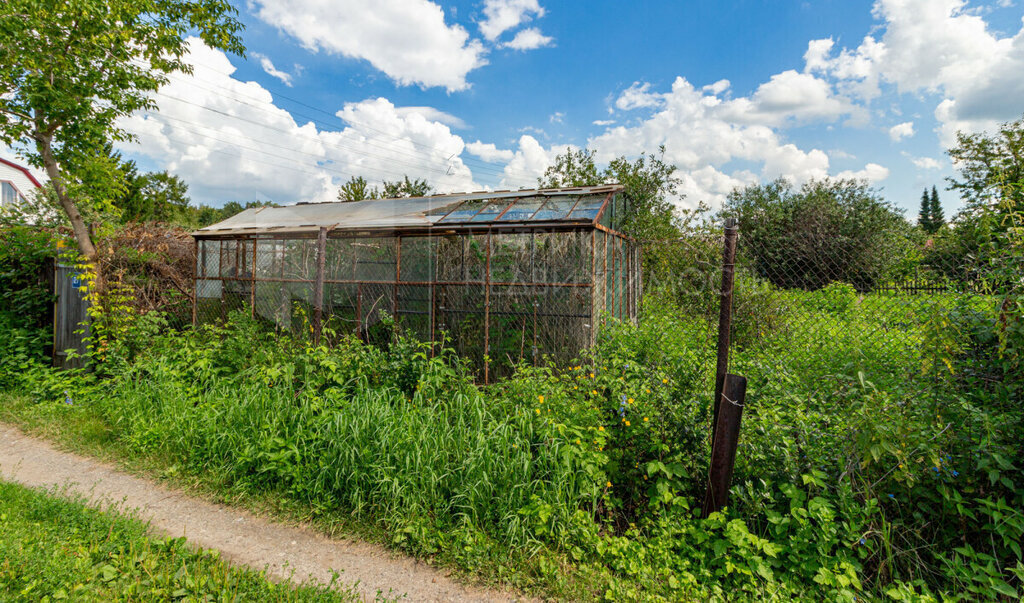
[{"x": 570, "y": 205}]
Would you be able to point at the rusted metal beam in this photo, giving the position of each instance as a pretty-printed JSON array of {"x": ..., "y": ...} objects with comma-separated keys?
[
  {"x": 252, "y": 283},
  {"x": 724, "y": 315},
  {"x": 200, "y": 270},
  {"x": 487, "y": 312},
  {"x": 318, "y": 286},
  {"x": 723, "y": 451}
]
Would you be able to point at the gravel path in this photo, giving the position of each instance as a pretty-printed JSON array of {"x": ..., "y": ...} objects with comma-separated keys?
[{"x": 242, "y": 537}]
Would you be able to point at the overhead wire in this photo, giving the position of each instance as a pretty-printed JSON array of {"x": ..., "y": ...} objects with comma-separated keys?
[
  {"x": 288, "y": 133},
  {"x": 421, "y": 167},
  {"x": 482, "y": 166},
  {"x": 262, "y": 151},
  {"x": 476, "y": 165}
]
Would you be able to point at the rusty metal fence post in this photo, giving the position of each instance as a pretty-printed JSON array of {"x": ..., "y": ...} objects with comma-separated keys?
[
  {"x": 318, "y": 287},
  {"x": 725, "y": 441},
  {"x": 724, "y": 317}
]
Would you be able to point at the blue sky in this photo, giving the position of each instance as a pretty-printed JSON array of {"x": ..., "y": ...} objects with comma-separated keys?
[{"x": 484, "y": 93}]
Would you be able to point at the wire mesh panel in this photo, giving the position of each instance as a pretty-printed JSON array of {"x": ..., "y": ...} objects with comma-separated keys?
[
  {"x": 340, "y": 259},
  {"x": 461, "y": 316},
  {"x": 563, "y": 257},
  {"x": 563, "y": 324},
  {"x": 419, "y": 259},
  {"x": 512, "y": 328},
  {"x": 376, "y": 259},
  {"x": 512, "y": 258},
  {"x": 415, "y": 311},
  {"x": 341, "y": 301},
  {"x": 376, "y": 303},
  {"x": 297, "y": 259}
]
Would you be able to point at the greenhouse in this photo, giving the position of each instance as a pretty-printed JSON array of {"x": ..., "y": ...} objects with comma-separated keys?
[{"x": 504, "y": 277}]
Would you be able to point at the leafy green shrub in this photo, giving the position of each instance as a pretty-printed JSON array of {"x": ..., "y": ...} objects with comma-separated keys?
[
  {"x": 26, "y": 254},
  {"x": 827, "y": 230},
  {"x": 836, "y": 298}
]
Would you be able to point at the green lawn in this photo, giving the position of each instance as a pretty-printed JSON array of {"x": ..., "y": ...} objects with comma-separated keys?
[{"x": 56, "y": 548}]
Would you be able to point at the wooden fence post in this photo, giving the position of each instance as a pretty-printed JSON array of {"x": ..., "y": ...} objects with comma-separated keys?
[
  {"x": 724, "y": 316},
  {"x": 318, "y": 288},
  {"x": 725, "y": 441}
]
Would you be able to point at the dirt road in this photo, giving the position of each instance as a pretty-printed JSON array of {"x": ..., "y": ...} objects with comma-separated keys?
[{"x": 242, "y": 537}]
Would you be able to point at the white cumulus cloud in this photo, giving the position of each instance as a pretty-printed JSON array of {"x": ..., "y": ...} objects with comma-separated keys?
[
  {"x": 408, "y": 40},
  {"x": 503, "y": 15},
  {"x": 488, "y": 151},
  {"x": 871, "y": 172},
  {"x": 901, "y": 131},
  {"x": 926, "y": 163},
  {"x": 638, "y": 96},
  {"x": 935, "y": 47},
  {"x": 788, "y": 96},
  {"x": 529, "y": 39},
  {"x": 230, "y": 142},
  {"x": 268, "y": 67}
]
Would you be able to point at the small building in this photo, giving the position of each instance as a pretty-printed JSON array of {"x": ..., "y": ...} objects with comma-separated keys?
[
  {"x": 16, "y": 183},
  {"x": 507, "y": 276}
]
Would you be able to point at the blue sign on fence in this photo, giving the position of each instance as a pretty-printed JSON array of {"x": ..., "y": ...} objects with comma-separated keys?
[{"x": 76, "y": 281}]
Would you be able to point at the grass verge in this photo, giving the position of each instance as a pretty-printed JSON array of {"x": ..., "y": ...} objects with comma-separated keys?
[{"x": 56, "y": 548}]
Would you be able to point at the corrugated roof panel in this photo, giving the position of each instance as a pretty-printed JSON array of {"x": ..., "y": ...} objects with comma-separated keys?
[{"x": 482, "y": 208}]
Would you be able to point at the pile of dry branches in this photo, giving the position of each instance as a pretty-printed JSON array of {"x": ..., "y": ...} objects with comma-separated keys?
[{"x": 156, "y": 263}]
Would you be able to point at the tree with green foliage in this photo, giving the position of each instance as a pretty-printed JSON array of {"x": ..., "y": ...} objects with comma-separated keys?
[
  {"x": 648, "y": 185},
  {"x": 930, "y": 217},
  {"x": 575, "y": 167},
  {"x": 827, "y": 230},
  {"x": 357, "y": 189},
  {"x": 406, "y": 188},
  {"x": 69, "y": 71},
  {"x": 991, "y": 184},
  {"x": 989, "y": 166},
  {"x": 924, "y": 214},
  {"x": 936, "y": 215}
]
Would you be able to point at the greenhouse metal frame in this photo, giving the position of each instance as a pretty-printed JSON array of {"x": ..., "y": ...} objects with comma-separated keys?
[{"x": 503, "y": 277}]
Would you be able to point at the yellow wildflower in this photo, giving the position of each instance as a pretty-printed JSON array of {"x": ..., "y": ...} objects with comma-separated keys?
[
  {"x": 538, "y": 410},
  {"x": 627, "y": 423},
  {"x": 608, "y": 485},
  {"x": 600, "y": 427},
  {"x": 645, "y": 419},
  {"x": 630, "y": 401},
  {"x": 664, "y": 380},
  {"x": 541, "y": 398}
]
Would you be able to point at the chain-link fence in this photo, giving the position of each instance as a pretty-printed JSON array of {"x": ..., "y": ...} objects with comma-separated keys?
[{"x": 820, "y": 307}]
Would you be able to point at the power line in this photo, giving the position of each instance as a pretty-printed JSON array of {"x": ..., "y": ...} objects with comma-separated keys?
[
  {"x": 482, "y": 165},
  {"x": 268, "y": 153},
  {"x": 357, "y": 151},
  {"x": 293, "y": 134}
]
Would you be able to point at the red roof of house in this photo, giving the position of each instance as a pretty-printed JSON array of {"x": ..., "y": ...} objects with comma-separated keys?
[{"x": 23, "y": 169}]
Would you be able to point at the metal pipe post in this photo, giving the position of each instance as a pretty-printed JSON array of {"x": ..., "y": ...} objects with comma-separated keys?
[
  {"x": 723, "y": 452},
  {"x": 724, "y": 317},
  {"x": 318, "y": 287}
]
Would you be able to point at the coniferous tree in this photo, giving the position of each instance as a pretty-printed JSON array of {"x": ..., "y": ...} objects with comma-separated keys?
[
  {"x": 924, "y": 215},
  {"x": 936, "y": 216}
]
